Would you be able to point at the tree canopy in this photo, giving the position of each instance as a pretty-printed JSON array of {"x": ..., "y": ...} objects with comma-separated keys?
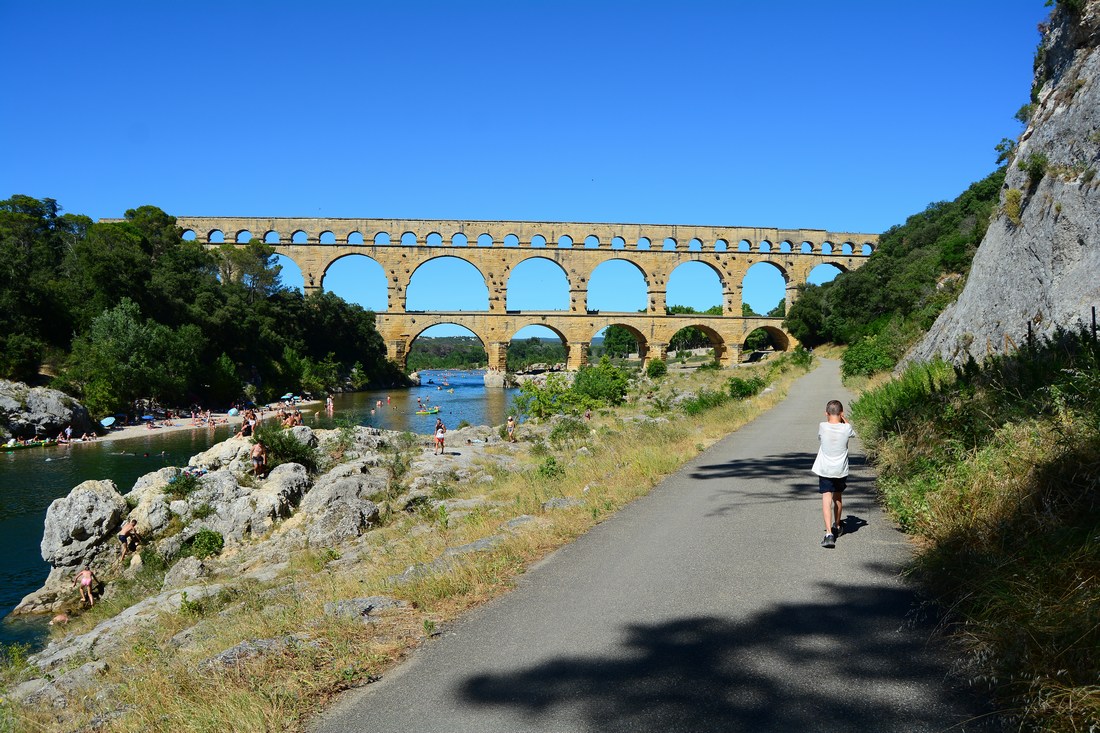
[{"x": 129, "y": 309}]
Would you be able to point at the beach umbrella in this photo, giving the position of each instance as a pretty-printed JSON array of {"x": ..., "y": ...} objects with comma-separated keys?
[
  {"x": 287, "y": 396},
  {"x": 147, "y": 417},
  {"x": 232, "y": 412},
  {"x": 107, "y": 422}
]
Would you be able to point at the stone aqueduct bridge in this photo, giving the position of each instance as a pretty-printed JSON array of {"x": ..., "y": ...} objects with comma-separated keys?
[{"x": 495, "y": 248}]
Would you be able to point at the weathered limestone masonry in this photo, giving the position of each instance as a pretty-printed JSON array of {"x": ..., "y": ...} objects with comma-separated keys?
[{"x": 400, "y": 246}]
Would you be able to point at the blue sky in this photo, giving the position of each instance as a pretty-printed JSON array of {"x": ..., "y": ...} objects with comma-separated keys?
[{"x": 845, "y": 115}]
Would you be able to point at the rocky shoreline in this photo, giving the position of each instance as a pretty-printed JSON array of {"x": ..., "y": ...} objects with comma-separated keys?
[{"x": 261, "y": 522}]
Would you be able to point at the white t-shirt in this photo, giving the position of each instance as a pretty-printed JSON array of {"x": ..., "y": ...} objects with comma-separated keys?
[{"x": 832, "y": 456}]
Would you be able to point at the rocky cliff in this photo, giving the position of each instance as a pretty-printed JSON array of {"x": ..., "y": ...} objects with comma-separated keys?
[
  {"x": 27, "y": 412},
  {"x": 1040, "y": 260}
]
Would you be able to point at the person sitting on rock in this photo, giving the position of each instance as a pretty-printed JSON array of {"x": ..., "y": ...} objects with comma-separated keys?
[
  {"x": 86, "y": 579},
  {"x": 259, "y": 459}
]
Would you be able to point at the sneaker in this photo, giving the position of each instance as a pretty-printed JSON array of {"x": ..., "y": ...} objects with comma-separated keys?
[
  {"x": 829, "y": 541},
  {"x": 838, "y": 529}
]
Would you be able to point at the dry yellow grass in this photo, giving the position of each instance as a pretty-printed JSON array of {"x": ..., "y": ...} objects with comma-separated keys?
[{"x": 165, "y": 687}]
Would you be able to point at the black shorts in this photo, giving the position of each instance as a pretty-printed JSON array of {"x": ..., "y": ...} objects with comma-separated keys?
[{"x": 827, "y": 485}]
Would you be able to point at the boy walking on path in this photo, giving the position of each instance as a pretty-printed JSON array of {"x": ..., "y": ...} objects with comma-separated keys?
[{"x": 831, "y": 467}]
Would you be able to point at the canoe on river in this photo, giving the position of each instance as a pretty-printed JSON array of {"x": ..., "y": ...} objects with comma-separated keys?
[
  {"x": 429, "y": 411},
  {"x": 31, "y": 444}
]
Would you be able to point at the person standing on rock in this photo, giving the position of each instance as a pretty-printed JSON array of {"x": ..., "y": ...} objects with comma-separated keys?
[
  {"x": 831, "y": 467},
  {"x": 86, "y": 578},
  {"x": 511, "y": 429},
  {"x": 440, "y": 432},
  {"x": 259, "y": 459},
  {"x": 128, "y": 538}
]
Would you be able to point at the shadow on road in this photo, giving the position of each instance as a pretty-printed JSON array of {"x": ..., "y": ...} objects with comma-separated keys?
[{"x": 840, "y": 664}]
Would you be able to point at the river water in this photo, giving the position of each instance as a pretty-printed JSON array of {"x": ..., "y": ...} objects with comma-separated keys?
[{"x": 30, "y": 479}]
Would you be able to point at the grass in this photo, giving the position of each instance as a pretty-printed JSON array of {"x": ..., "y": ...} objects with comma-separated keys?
[
  {"x": 996, "y": 470},
  {"x": 168, "y": 689}
]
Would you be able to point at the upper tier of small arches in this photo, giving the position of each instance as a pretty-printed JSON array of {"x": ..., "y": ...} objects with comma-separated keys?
[{"x": 426, "y": 233}]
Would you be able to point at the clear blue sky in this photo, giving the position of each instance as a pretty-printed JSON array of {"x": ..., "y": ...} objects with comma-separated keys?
[{"x": 844, "y": 116}]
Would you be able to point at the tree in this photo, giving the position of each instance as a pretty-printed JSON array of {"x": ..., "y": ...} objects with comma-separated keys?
[{"x": 618, "y": 341}]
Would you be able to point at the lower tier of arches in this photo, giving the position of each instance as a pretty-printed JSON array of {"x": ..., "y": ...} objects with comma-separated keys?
[{"x": 653, "y": 334}]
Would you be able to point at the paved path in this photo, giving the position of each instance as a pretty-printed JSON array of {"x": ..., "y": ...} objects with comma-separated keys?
[{"x": 706, "y": 606}]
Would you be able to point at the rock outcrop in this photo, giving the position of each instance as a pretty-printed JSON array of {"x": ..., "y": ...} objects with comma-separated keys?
[
  {"x": 26, "y": 412},
  {"x": 1040, "y": 260}
]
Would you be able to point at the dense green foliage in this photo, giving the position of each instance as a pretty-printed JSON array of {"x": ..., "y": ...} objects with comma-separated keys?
[
  {"x": 656, "y": 368},
  {"x": 129, "y": 310},
  {"x": 599, "y": 385},
  {"x": 997, "y": 468},
  {"x": 741, "y": 389},
  {"x": 914, "y": 274},
  {"x": 690, "y": 337},
  {"x": 522, "y": 353},
  {"x": 618, "y": 341},
  {"x": 283, "y": 447},
  {"x": 206, "y": 543}
]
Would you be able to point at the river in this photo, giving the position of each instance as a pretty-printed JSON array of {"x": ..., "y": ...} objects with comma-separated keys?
[{"x": 31, "y": 479}]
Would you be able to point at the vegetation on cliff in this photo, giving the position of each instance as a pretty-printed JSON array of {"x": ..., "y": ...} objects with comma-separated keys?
[
  {"x": 129, "y": 310},
  {"x": 997, "y": 469},
  {"x": 917, "y": 271}
]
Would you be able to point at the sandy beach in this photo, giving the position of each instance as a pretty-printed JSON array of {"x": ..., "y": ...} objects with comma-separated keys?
[{"x": 184, "y": 423}]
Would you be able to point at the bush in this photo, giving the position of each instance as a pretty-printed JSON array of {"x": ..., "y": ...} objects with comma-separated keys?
[
  {"x": 1013, "y": 199},
  {"x": 206, "y": 543},
  {"x": 604, "y": 383},
  {"x": 802, "y": 357},
  {"x": 568, "y": 430},
  {"x": 866, "y": 357},
  {"x": 742, "y": 389},
  {"x": 181, "y": 486},
  {"x": 283, "y": 447},
  {"x": 704, "y": 400},
  {"x": 550, "y": 468},
  {"x": 656, "y": 368},
  {"x": 1035, "y": 165}
]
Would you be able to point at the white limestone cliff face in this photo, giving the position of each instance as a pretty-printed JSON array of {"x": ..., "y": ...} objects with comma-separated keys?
[{"x": 1041, "y": 265}]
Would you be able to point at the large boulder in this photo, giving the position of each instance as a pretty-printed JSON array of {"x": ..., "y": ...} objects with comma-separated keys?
[
  {"x": 28, "y": 411},
  {"x": 338, "y": 508},
  {"x": 77, "y": 524},
  {"x": 232, "y": 454}
]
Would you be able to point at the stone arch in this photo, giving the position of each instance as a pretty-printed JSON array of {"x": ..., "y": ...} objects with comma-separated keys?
[
  {"x": 538, "y": 241},
  {"x": 326, "y": 237},
  {"x": 565, "y": 241},
  {"x": 721, "y": 245},
  {"x": 592, "y": 242},
  {"x": 785, "y": 246},
  {"x": 684, "y": 269},
  {"x": 419, "y": 325},
  {"x": 243, "y": 237},
  {"x": 847, "y": 248},
  {"x": 867, "y": 249},
  {"x": 764, "y": 246},
  {"x": 215, "y": 236},
  {"x": 272, "y": 237},
  {"x": 523, "y": 268},
  {"x": 455, "y": 283},
  {"x": 434, "y": 239},
  {"x": 618, "y": 243},
  {"x": 408, "y": 239},
  {"x": 460, "y": 240},
  {"x": 381, "y": 239},
  {"x": 826, "y": 248},
  {"x": 639, "y": 337},
  {"x": 744, "y": 246},
  {"x": 806, "y": 248},
  {"x": 291, "y": 275},
  {"x": 618, "y": 274},
  {"x": 485, "y": 240},
  {"x": 350, "y": 287},
  {"x": 695, "y": 245},
  {"x": 670, "y": 244},
  {"x": 838, "y": 264},
  {"x": 511, "y": 240},
  {"x": 299, "y": 237},
  {"x": 354, "y": 238},
  {"x": 714, "y": 338},
  {"x": 189, "y": 235},
  {"x": 758, "y": 283},
  {"x": 779, "y": 337},
  {"x": 643, "y": 243}
]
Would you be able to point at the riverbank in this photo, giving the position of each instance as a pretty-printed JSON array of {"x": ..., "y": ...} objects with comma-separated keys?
[
  {"x": 295, "y": 605},
  {"x": 162, "y": 427}
]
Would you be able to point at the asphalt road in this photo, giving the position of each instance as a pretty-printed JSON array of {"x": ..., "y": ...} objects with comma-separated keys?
[{"x": 706, "y": 606}]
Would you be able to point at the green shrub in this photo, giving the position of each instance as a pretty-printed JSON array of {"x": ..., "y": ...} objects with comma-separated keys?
[
  {"x": 202, "y": 511},
  {"x": 742, "y": 389},
  {"x": 550, "y": 468},
  {"x": 1013, "y": 201},
  {"x": 182, "y": 485},
  {"x": 462, "y": 424},
  {"x": 867, "y": 356},
  {"x": 656, "y": 368},
  {"x": 1035, "y": 165},
  {"x": 705, "y": 399},
  {"x": 603, "y": 383},
  {"x": 206, "y": 543},
  {"x": 283, "y": 447},
  {"x": 802, "y": 357},
  {"x": 568, "y": 430}
]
